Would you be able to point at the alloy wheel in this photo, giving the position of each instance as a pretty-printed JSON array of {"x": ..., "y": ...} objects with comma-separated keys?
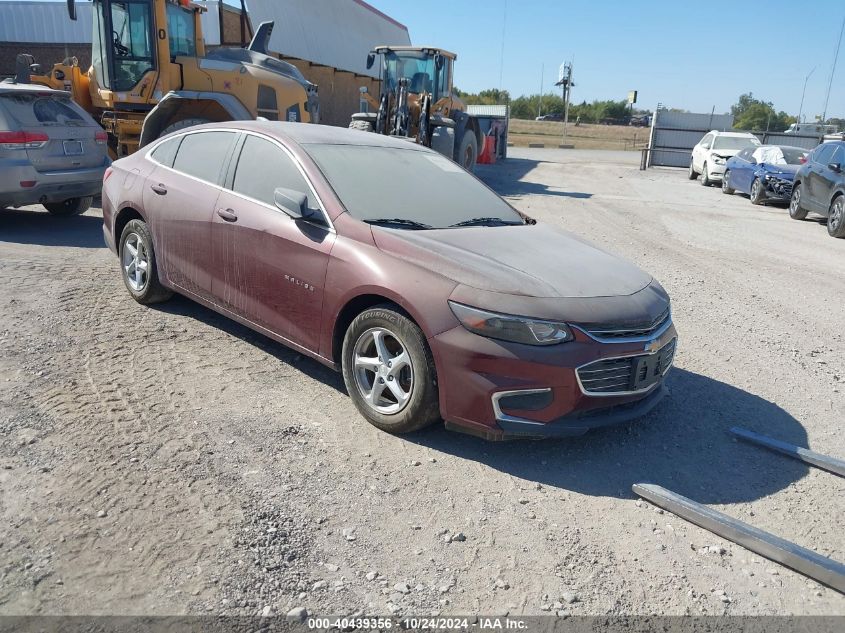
[
  {"x": 384, "y": 373},
  {"x": 136, "y": 262},
  {"x": 837, "y": 214},
  {"x": 795, "y": 202}
]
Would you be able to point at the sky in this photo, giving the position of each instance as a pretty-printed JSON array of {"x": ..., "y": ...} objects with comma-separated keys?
[
  {"x": 688, "y": 55},
  {"x": 672, "y": 52}
]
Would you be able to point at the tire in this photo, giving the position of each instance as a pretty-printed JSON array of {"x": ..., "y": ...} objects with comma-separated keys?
[
  {"x": 796, "y": 211},
  {"x": 364, "y": 126},
  {"x": 726, "y": 185},
  {"x": 468, "y": 151},
  {"x": 836, "y": 217},
  {"x": 417, "y": 378},
  {"x": 758, "y": 194},
  {"x": 182, "y": 124},
  {"x": 145, "y": 287},
  {"x": 692, "y": 173},
  {"x": 71, "y": 206},
  {"x": 705, "y": 177}
]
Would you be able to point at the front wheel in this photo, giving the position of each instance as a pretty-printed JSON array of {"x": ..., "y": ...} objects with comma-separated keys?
[
  {"x": 138, "y": 264},
  {"x": 705, "y": 177},
  {"x": 726, "y": 185},
  {"x": 796, "y": 211},
  {"x": 389, "y": 371},
  {"x": 758, "y": 194},
  {"x": 836, "y": 218},
  {"x": 71, "y": 206}
]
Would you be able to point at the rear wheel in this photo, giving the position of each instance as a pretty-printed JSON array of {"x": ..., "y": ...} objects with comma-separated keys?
[
  {"x": 726, "y": 184},
  {"x": 796, "y": 211},
  {"x": 758, "y": 194},
  {"x": 836, "y": 217},
  {"x": 692, "y": 173},
  {"x": 468, "y": 151},
  {"x": 138, "y": 264},
  {"x": 705, "y": 177},
  {"x": 181, "y": 125},
  {"x": 71, "y": 206},
  {"x": 389, "y": 371}
]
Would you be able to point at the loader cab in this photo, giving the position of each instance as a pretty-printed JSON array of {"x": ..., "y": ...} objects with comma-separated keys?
[
  {"x": 427, "y": 70},
  {"x": 130, "y": 40}
]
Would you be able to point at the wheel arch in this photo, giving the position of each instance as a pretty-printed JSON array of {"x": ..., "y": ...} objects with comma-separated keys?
[
  {"x": 123, "y": 217},
  {"x": 183, "y": 104},
  {"x": 354, "y": 306}
]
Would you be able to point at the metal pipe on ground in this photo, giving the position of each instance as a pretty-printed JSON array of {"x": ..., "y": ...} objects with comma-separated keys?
[
  {"x": 825, "y": 462},
  {"x": 820, "y": 568}
]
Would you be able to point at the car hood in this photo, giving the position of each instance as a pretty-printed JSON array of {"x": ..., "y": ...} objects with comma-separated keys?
[
  {"x": 725, "y": 153},
  {"x": 788, "y": 170},
  {"x": 527, "y": 260}
]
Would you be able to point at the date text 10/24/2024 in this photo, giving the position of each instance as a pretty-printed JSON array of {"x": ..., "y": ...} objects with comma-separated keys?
[{"x": 418, "y": 623}]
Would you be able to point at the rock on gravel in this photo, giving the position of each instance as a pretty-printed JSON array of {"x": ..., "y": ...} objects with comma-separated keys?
[{"x": 297, "y": 614}]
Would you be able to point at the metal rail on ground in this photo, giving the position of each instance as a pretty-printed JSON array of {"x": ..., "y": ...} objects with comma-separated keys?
[
  {"x": 820, "y": 568},
  {"x": 825, "y": 462}
]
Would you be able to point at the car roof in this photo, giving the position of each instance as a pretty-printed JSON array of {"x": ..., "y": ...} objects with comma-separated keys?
[
  {"x": 310, "y": 134},
  {"x": 10, "y": 86},
  {"x": 737, "y": 134}
]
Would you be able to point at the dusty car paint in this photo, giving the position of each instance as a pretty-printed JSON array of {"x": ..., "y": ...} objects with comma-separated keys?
[{"x": 300, "y": 283}]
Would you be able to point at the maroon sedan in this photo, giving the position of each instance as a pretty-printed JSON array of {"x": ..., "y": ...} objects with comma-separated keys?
[{"x": 381, "y": 258}]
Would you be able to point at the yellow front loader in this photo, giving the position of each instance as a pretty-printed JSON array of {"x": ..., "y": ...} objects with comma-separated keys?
[{"x": 151, "y": 75}]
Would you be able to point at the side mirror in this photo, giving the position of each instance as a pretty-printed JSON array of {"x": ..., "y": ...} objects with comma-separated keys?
[
  {"x": 439, "y": 61},
  {"x": 294, "y": 203},
  {"x": 835, "y": 167},
  {"x": 371, "y": 59},
  {"x": 752, "y": 160}
]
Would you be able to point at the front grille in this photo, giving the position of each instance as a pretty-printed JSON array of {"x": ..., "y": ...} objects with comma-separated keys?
[
  {"x": 781, "y": 187},
  {"x": 645, "y": 330},
  {"x": 628, "y": 374}
]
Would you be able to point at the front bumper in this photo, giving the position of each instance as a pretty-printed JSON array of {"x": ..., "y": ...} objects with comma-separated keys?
[
  {"x": 778, "y": 188},
  {"x": 498, "y": 390},
  {"x": 715, "y": 171}
]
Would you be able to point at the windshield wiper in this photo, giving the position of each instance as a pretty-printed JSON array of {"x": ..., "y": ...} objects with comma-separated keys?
[
  {"x": 483, "y": 221},
  {"x": 413, "y": 224}
]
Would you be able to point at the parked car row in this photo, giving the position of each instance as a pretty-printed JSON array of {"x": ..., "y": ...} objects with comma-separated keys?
[{"x": 810, "y": 181}]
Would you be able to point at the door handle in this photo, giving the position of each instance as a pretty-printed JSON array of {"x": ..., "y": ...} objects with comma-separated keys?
[
  {"x": 160, "y": 189},
  {"x": 228, "y": 215}
]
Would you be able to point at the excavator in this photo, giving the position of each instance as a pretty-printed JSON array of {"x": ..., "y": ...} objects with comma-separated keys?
[
  {"x": 151, "y": 74},
  {"x": 417, "y": 102}
]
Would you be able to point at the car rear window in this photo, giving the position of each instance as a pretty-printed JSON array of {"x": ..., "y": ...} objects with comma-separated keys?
[{"x": 34, "y": 110}]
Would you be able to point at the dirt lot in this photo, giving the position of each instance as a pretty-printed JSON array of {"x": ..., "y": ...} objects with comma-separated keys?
[
  {"x": 583, "y": 136},
  {"x": 166, "y": 460}
]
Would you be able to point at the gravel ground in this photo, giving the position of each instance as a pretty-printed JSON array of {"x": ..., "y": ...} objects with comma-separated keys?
[{"x": 166, "y": 461}]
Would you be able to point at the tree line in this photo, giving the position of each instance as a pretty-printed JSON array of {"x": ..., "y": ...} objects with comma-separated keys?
[{"x": 749, "y": 112}]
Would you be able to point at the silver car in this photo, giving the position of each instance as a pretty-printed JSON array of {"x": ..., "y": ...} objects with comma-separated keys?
[{"x": 51, "y": 151}]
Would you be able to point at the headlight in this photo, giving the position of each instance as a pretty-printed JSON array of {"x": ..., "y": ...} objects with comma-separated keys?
[
  {"x": 507, "y": 327},
  {"x": 718, "y": 160}
]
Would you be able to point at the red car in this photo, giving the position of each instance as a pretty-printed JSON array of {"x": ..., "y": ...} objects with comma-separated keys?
[{"x": 381, "y": 258}]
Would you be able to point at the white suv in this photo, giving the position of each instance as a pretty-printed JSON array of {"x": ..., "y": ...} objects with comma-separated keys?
[{"x": 713, "y": 151}]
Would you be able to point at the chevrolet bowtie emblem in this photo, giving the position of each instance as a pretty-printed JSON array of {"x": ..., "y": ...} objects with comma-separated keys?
[{"x": 652, "y": 346}]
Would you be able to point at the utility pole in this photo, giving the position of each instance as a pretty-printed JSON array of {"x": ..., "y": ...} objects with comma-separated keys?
[
  {"x": 803, "y": 92},
  {"x": 832, "y": 71},
  {"x": 565, "y": 82},
  {"x": 540, "y": 98}
]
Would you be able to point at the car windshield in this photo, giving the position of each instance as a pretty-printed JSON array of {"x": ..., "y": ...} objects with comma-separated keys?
[
  {"x": 412, "y": 189},
  {"x": 734, "y": 142}
]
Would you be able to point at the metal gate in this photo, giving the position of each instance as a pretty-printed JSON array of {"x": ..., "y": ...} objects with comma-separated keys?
[{"x": 674, "y": 134}]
